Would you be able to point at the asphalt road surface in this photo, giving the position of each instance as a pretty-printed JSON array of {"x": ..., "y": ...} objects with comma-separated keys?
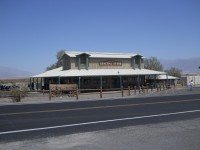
[
  {"x": 32, "y": 121},
  {"x": 173, "y": 135}
]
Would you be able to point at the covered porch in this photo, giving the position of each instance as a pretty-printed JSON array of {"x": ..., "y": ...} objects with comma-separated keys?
[{"x": 94, "y": 78}]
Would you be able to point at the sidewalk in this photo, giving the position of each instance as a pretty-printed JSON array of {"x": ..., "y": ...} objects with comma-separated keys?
[{"x": 35, "y": 97}]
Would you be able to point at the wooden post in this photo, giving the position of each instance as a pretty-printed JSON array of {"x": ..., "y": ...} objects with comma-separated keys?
[
  {"x": 122, "y": 89},
  {"x": 120, "y": 77},
  {"x": 135, "y": 89},
  {"x": 160, "y": 86},
  {"x": 143, "y": 89},
  {"x": 77, "y": 93},
  {"x": 101, "y": 85},
  {"x": 49, "y": 94},
  {"x": 41, "y": 81},
  {"x": 79, "y": 83},
  {"x": 129, "y": 91},
  {"x": 100, "y": 92},
  {"x": 157, "y": 88}
]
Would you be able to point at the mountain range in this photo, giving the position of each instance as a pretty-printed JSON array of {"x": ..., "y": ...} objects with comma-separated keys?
[
  {"x": 186, "y": 65},
  {"x": 190, "y": 65},
  {"x": 9, "y": 73}
]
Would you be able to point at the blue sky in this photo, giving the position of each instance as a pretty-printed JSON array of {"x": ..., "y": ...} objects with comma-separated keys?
[{"x": 33, "y": 31}]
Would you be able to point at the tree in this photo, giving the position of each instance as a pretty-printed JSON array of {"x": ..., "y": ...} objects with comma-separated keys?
[
  {"x": 59, "y": 62},
  {"x": 174, "y": 72},
  {"x": 153, "y": 63}
]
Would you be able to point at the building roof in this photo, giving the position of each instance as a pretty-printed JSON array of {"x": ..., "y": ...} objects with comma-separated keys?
[
  {"x": 58, "y": 72},
  {"x": 51, "y": 73},
  {"x": 165, "y": 77},
  {"x": 102, "y": 55}
]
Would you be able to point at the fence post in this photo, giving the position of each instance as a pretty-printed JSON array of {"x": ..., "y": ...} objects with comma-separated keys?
[
  {"x": 100, "y": 92},
  {"x": 143, "y": 89},
  {"x": 77, "y": 93},
  {"x": 122, "y": 91},
  {"x": 129, "y": 91},
  {"x": 135, "y": 89},
  {"x": 157, "y": 88},
  {"x": 49, "y": 94}
]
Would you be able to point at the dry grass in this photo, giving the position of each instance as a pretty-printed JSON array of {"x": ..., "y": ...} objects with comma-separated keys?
[{"x": 17, "y": 80}]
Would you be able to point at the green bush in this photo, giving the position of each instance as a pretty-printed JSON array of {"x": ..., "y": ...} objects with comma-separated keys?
[{"x": 18, "y": 93}]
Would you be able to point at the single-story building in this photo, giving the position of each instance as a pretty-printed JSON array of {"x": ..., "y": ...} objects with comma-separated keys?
[
  {"x": 165, "y": 79},
  {"x": 186, "y": 78},
  {"x": 92, "y": 70}
]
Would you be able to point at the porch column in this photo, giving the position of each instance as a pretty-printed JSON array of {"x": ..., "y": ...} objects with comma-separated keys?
[
  {"x": 167, "y": 78},
  {"x": 101, "y": 82},
  {"x": 41, "y": 80},
  {"x": 138, "y": 80},
  {"x": 58, "y": 79},
  {"x": 37, "y": 84},
  {"x": 154, "y": 81},
  {"x": 120, "y": 78},
  {"x": 79, "y": 83}
]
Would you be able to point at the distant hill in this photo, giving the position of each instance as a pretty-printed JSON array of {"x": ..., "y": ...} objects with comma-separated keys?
[
  {"x": 186, "y": 65},
  {"x": 8, "y": 73}
]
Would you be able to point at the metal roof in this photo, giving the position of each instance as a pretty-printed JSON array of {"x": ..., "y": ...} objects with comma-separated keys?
[
  {"x": 165, "y": 77},
  {"x": 51, "y": 73},
  {"x": 102, "y": 55},
  {"x": 97, "y": 72}
]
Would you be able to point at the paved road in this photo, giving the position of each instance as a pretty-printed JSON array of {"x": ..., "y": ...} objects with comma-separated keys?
[
  {"x": 176, "y": 135},
  {"x": 53, "y": 119}
]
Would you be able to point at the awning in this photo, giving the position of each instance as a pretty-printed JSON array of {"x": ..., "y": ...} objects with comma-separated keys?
[{"x": 58, "y": 72}]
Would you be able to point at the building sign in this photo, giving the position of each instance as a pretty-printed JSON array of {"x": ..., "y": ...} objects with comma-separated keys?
[{"x": 110, "y": 63}]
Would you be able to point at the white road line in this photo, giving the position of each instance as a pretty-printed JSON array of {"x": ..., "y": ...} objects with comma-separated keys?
[{"x": 96, "y": 122}]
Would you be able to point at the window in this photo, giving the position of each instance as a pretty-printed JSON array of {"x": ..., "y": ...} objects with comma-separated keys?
[{"x": 83, "y": 59}]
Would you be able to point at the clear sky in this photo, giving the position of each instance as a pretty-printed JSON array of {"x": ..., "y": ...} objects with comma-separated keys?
[{"x": 33, "y": 31}]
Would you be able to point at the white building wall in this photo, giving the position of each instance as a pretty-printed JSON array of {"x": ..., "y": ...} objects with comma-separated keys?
[{"x": 195, "y": 78}]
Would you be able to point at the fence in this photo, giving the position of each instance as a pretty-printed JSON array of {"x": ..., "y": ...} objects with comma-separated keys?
[
  {"x": 72, "y": 91},
  {"x": 100, "y": 93},
  {"x": 59, "y": 89}
]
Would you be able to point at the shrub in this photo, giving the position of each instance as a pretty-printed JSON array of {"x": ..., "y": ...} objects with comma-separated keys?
[{"x": 18, "y": 93}]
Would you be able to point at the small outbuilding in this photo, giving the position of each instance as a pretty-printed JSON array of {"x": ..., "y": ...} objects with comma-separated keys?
[{"x": 186, "y": 78}]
